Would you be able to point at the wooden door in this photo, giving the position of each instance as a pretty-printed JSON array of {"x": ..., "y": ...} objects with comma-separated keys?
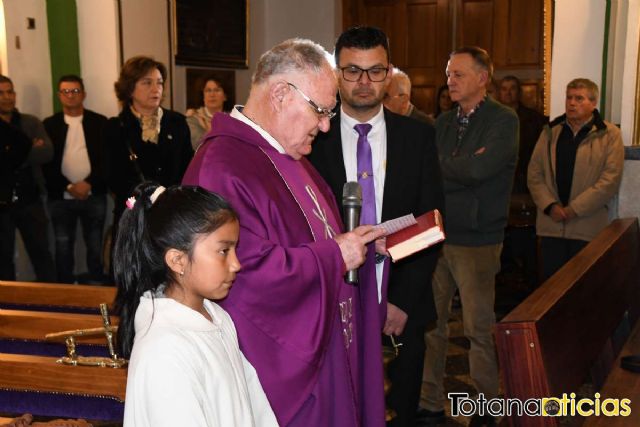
[
  {"x": 419, "y": 39},
  {"x": 422, "y": 33}
]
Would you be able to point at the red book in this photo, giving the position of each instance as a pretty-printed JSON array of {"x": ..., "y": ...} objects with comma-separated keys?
[{"x": 427, "y": 232}]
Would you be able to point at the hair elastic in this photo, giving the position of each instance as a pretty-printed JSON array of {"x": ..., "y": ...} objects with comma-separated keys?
[
  {"x": 131, "y": 202},
  {"x": 156, "y": 193}
]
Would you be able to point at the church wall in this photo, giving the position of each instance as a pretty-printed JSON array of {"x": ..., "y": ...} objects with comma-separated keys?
[
  {"x": 99, "y": 57},
  {"x": 27, "y": 52},
  {"x": 578, "y": 52}
]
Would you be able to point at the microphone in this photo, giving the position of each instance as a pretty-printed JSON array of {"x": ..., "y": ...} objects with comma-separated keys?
[{"x": 351, "y": 205}]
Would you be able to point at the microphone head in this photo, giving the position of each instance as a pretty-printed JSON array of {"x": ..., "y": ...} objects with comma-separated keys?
[{"x": 352, "y": 194}]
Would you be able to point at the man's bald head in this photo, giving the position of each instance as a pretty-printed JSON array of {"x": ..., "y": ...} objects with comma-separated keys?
[{"x": 398, "y": 96}]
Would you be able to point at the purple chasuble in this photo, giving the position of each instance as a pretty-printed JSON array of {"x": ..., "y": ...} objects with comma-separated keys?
[{"x": 299, "y": 324}]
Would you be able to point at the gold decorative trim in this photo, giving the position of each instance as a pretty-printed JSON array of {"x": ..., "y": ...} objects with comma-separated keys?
[
  {"x": 636, "y": 119},
  {"x": 547, "y": 46}
]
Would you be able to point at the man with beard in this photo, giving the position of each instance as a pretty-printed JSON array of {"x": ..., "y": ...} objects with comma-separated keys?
[{"x": 395, "y": 161}]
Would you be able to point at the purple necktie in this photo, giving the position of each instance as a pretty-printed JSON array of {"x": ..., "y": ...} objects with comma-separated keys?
[{"x": 365, "y": 175}]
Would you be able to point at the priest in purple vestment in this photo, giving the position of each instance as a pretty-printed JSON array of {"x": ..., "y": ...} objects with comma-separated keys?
[{"x": 299, "y": 323}]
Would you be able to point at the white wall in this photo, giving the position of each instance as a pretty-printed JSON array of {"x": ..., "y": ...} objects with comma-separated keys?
[
  {"x": 268, "y": 26},
  {"x": 145, "y": 28},
  {"x": 3, "y": 41},
  {"x": 628, "y": 100},
  {"x": 284, "y": 19},
  {"x": 577, "y": 46},
  {"x": 30, "y": 65},
  {"x": 99, "y": 53}
]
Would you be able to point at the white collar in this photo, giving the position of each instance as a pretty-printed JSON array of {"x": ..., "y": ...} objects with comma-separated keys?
[
  {"x": 374, "y": 121},
  {"x": 236, "y": 113}
]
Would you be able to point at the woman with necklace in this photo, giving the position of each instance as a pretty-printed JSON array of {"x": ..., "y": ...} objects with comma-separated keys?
[{"x": 145, "y": 142}]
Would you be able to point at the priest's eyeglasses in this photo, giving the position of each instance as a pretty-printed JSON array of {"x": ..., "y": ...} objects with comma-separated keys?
[
  {"x": 354, "y": 74},
  {"x": 322, "y": 112}
]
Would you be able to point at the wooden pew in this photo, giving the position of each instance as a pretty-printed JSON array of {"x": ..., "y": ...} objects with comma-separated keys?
[
  {"x": 548, "y": 345},
  {"x": 42, "y": 373},
  {"x": 622, "y": 384},
  {"x": 34, "y": 325},
  {"x": 55, "y": 295}
]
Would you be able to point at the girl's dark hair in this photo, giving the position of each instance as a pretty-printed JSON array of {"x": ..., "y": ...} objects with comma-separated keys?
[{"x": 146, "y": 232}]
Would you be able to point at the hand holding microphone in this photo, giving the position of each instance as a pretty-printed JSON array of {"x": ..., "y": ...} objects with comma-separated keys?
[{"x": 353, "y": 243}]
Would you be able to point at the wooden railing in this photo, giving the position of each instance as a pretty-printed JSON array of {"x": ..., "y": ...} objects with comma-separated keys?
[{"x": 551, "y": 342}]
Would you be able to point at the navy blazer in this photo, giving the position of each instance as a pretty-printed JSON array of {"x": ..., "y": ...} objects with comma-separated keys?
[{"x": 413, "y": 184}]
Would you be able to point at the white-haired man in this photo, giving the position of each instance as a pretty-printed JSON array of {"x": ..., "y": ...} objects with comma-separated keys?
[{"x": 299, "y": 323}]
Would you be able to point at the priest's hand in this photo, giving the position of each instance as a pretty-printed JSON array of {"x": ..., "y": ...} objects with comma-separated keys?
[
  {"x": 381, "y": 246},
  {"x": 396, "y": 320},
  {"x": 353, "y": 244}
]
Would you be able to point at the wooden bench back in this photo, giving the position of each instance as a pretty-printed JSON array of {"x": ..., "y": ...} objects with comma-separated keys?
[
  {"x": 34, "y": 325},
  {"x": 42, "y": 373},
  {"x": 56, "y": 295},
  {"x": 548, "y": 344}
]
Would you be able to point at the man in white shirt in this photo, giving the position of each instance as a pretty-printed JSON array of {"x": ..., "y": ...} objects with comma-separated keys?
[
  {"x": 406, "y": 180},
  {"x": 75, "y": 181}
]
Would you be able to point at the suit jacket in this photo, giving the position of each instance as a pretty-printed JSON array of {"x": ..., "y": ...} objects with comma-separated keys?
[
  {"x": 421, "y": 116},
  {"x": 92, "y": 125},
  {"x": 413, "y": 184}
]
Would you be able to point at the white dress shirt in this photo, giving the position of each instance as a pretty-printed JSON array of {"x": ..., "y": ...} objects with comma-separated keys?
[
  {"x": 377, "y": 138},
  {"x": 75, "y": 159}
]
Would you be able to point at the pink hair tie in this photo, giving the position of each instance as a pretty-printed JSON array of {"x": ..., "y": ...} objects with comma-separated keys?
[{"x": 131, "y": 201}]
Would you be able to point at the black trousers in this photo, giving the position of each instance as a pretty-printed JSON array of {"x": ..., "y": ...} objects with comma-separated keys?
[
  {"x": 556, "y": 252},
  {"x": 405, "y": 374},
  {"x": 32, "y": 222}
]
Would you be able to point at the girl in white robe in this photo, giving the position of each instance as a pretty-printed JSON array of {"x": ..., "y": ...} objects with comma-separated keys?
[{"x": 175, "y": 251}]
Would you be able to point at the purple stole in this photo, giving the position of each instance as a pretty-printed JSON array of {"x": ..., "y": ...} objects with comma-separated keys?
[{"x": 324, "y": 224}]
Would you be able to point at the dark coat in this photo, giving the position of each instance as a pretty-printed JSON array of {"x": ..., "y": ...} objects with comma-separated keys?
[
  {"x": 477, "y": 184},
  {"x": 14, "y": 151},
  {"x": 164, "y": 162},
  {"x": 93, "y": 126}
]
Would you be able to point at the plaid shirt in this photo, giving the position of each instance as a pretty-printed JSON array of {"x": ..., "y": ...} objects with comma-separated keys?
[{"x": 463, "y": 123}]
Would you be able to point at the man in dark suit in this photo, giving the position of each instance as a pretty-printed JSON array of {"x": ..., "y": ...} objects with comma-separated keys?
[
  {"x": 75, "y": 180},
  {"x": 403, "y": 166}
]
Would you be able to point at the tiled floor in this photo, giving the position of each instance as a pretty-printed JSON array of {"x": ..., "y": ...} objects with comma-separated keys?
[{"x": 510, "y": 291}]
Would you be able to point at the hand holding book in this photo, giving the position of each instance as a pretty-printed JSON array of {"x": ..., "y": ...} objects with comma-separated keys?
[{"x": 407, "y": 235}]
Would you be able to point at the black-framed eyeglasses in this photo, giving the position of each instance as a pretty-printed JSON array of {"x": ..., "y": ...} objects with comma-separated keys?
[
  {"x": 322, "y": 112},
  {"x": 353, "y": 73},
  {"x": 74, "y": 91}
]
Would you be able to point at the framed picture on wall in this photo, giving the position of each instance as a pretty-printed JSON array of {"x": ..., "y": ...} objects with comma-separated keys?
[
  {"x": 211, "y": 33},
  {"x": 197, "y": 77}
]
